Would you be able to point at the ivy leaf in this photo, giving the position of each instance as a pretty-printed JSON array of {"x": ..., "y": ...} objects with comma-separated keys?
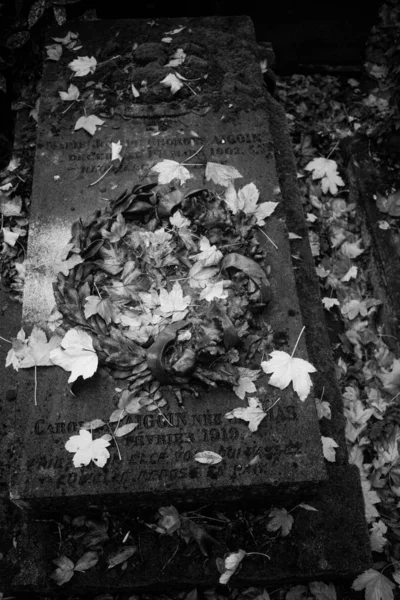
[
  {"x": 253, "y": 413},
  {"x": 172, "y": 82},
  {"x": 89, "y": 124},
  {"x": 170, "y": 169},
  {"x": 326, "y": 170},
  {"x": 221, "y": 174},
  {"x": 281, "y": 519},
  {"x": 231, "y": 563},
  {"x": 173, "y": 303},
  {"x": 328, "y": 447},
  {"x": 120, "y": 557},
  {"x": 286, "y": 369},
  {"x": 71, "y": 94},
  {"x": 376, "y": 585},
  {"x": 209, "y": 256},
  {"x": 78, "y": 355},
  {"x": 65, "y": 570},
  {"x": 246, "y": 385},
  {"x": 86, "y": 449},
  {"x": 207, "y": 457},
  {"x": 83, "y": 65}
]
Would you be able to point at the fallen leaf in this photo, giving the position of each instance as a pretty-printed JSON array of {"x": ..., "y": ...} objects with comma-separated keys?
[
  {"x": 121, "y": 556},
  {"x": 172, "y": 81},
  {"x": 246, "y": 385},
  {"x": 175, "y": 31},
  {"x": 370, "y": 499},
  {"x": 10, "y": 207},
  {"x": 125, "y": 429},
  {"x": 177, "y": 59},
  {"x": 173, "y": 302},
  {"x": 83, "y": 65},
  {"x": 281, "y": 519},
  {"x": 10, "y": 237},
  {"x": 253, "y": 413},
  {"x": 92, "y": 425},
  {"x": 178, "y": 220},
  {"x": 78, "y": 355},
  {"x": 86, "y": 449},
  {"x": 32, "y": 351},
  {"x": 65, "y": 570},
  {"x": 391, "y": 379},
  {"x": 286, "y": 369},
  {"x": 71, "y": 94},
  {"x": 221, "y": 174},
  {"x": 322, "y": 591},
  {"x": 383, "y": 225},
  {"x": 207, "y": 457},
  {"x": 166, "y": 40},
  {"x": 135, "y": 92},
  {"x": 231, "y": 563},
  {"x": 351, "y": 274},
  {"x": 323, "y": 409},
  {"x": 294, "y": 236},
  {"x": 169, "y": 521},
  {"x": 213, "y": 291},
  {"x": 326, "y": 170},
  {"x": 307, "y": 507},
  {"x": 67, "y": 39},
  {"x": 116, "y": 148},
  {"x": 376, "y": 585},
  {"x": 328, "y": 448},
  {"x": 351, "y": 250},
  {"x": 209, "y": 256},
  {"x": 330, "y": 303},
  {"x": 86, "y": 561},
  {"x": 54, "y": 52},
  {"x": 89, "y": 124},
  {"x": 377, "y": 536},
  {"x": 98, "y": 306},
  {"x": 170, "y": 169}
]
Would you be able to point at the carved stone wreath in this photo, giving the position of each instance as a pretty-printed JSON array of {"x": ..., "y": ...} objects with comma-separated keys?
[{"x": 171, "y": 288}]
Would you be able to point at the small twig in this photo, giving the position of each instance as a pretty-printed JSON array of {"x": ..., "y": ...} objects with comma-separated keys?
[
  {"x": 193, "y": 155},
  {"x": 164, "y": 417},
  {"x": 272, "y": 405},
  {"x": 190, "y": 88},
  {"x": 107, "y": 61},
  {"x": 67, "y": 109},
  {"x": 100, "y": 178},
  {"x": 4, "y": 340},
  {"x": 259, "y": 554},
  {"x": 35, "y": 392},
  {"x": 333, "y": 150},
  {"x": 168, "y": 561},
  {"x": 268, "y": 238},
  {"x": 298, "y": 339}
]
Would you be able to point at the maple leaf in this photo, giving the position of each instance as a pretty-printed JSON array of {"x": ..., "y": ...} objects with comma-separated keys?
[
  {"x": 172, "y": 81},
  {"x": 231, "y": 563},
  {"x": 253, "y": 413},
  {"x": 199, "y": 276},
  {"x": 64, "y": 266},
  {"x": 86, "y": 449},
  {"x": 246, "y": 385},
  {"x": 118, "y": 230},
  {"x": 231, "y": 198},
  {"x": 323, "y": 409},
  {"x": 209, "y": 255},
  {"x": 328, "y": 448},
  {"x": 281, "y": 519},
  {"x": 221, "y": 174},
  {"x": 326, "y": 170},
  {"x": 78, "y": 355},
  {"x": 264, "y": 210},
  {"x": 330, "y": 303},
  {"x": 54, "y": 52},
  {"x": 351, "y": 250},
  {"x": 322, "y": 591},
  {"x": 377, "y": 536},
  {"x": 87, "y": 561},
  {"x": 89, "y": 124},
  {"x": 213, "y": 291},
  {"x": 94, "y": 305},
  {"x": 64, "y": 571},
  {"x": 116, "y": 148},
  {"x": 10, "y": 207},
  {"x": 33, "y": 351},
  {"x": 370, "y": 499},
  {"x": 286, "y": 369},
  {"x": 83, "y": 65},
  {"x": 391, "y": 379},
  {"x": 170, "y": 169},
  {"x": 71, "y": 94},
  {"x": 177, "y": 59},
  {"x": 207, "y": 457},
  {"x": 173, "y": 302},
  {"x": 376, "y": 585},
  {"x": 178, "y": 220}
]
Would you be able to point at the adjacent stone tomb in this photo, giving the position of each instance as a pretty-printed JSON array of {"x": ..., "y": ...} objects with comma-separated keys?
[{"x": 178, "y": 283}]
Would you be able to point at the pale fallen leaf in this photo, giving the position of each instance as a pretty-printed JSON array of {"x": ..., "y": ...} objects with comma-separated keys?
[
  {"x": 383, "y": 225},
  {"x": 281, "y": 519},
  {"x": 10, "y": 207},
  {"x": 89, "y": 123},
  {"x": 391, "y": 379},
  {"x": 87, "y": 561},
  {"x": 322, "y": 591},
  {"x": 77, "y": 356},
  {"x": 286, "y": 369},
  {"x": 173, "y": 302},
  {"x": 199, "y": 276},
  {"x": 253, "y": 413},
  {"x": 328, "y": 448},
  {"x": 10, "y": 237},
  {"x": 294, "y": 236},
  {"x": 351, "y": 250},
  {"x": 178, "y": 220},
  {"x": 86, "y": 449},
  {"x": 166, "y": 40},
  {"x": 377, "y": 586},
  {"x": 351, "y": 274},
  {"x": 116, "y": 148},
  {"x": 246, "y": 385},
  {"x": 221, "y": 174},
  {"x": 135, "y": 92},
  {"x": 92, "y": 425},
  {"x": 67, "y": 39},
  {"x": 306, "y": 506},
  {"x": 231, "y": 563},
  {"x": 323, "y": 409},
  {"x": 213, "y": 291},
  {"x": 169, "y": 521},
  {"x": 175, "y": 31},
  {"x": 33, "y": 351},
  {"x": 71, "y": 94},
  {"x": 207, "y": 457},
  {"x": 177, "y": 59},
  {"x": 54, "y": 52},
  {"x": 125, "y": 429},
  {"x": 83, "y": 65},
  {"x": 330, "y": 302},
  {"x": 209, "y": 256},
  {"x": 377, "y": 536},
  {"x": 173, "y": 82},
  {"x": 371, "y": 498},
  {"x": 326, "y": 170},
  {"x": 170, "y": 169},
  {"x": 64, "y": 571}
]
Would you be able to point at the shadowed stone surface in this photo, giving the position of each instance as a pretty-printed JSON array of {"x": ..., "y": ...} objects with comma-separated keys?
[{"x": 227, "y": 122}]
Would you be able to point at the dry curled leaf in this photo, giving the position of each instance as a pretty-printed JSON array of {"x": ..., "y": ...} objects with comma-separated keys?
[
  {"x": 172, "y": 81},
  {"x": 231, "y": 564}
]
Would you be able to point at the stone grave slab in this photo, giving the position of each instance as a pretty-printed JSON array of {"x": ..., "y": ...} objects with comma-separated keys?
[{"x": 221, "y": 115}]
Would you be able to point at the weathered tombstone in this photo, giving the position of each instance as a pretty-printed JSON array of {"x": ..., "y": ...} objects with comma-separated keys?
[{"x": 220, "y": 115}]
